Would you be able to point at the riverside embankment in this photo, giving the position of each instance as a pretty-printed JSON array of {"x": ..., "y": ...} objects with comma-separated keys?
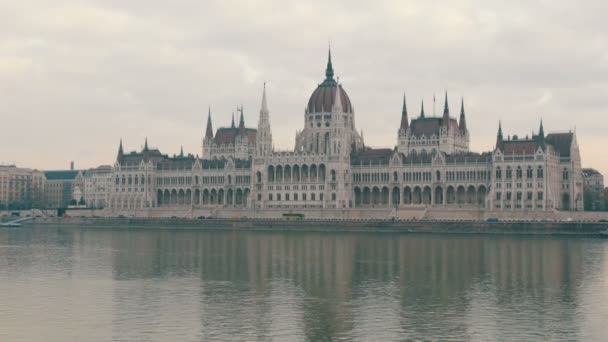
[{"x": 371, "y": 226}]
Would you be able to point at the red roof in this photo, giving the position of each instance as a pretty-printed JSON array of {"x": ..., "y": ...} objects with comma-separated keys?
[
  {"x": 430, "y": 126},
  {"x": 519, "y": 147},
  {"x": 227, "y": 135}
]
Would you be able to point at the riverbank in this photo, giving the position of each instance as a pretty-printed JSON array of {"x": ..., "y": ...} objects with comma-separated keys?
[{"x": 331, "y": 225}]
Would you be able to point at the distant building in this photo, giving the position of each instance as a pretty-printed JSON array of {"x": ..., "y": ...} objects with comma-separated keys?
[
  {"x": 21, "y": 188},
  {"x": 59, "y": 187},
  {"x": 97, "y": 186},
  {"x": 594, "y": 190},
  {"x": 330, "y": 167}
]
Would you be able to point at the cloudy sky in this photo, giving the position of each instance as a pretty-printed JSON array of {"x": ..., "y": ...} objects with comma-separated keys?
[{"x": 76, "y": 76}]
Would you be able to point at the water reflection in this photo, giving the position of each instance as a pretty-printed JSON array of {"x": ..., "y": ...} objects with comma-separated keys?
[{"x": 315, "y": 286}]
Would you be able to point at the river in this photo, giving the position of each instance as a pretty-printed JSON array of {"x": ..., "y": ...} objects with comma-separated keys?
[{"x": 86, "y": 284}]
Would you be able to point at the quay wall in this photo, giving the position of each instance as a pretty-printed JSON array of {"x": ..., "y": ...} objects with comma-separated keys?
[{"x": 334, "y": 225}]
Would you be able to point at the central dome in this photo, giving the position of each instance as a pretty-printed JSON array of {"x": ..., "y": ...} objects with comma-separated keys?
[{"x": 322, "y": 99}]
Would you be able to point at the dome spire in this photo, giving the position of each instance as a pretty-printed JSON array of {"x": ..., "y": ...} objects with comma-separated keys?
[{"x": 329, "y": 70}]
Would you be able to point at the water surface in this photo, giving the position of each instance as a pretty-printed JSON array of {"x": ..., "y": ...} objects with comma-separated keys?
[{"x": 83, "y": 284}]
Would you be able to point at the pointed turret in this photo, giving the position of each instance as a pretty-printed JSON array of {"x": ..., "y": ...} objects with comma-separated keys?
[
  {"x": 264, "y": 135},
  {"x": 337, "y": 105},
  {"x": 329, "y": 70},
  {"x": 264, "y": 109},
  {"x": 541, "y": 133},
  {"x": 462, "y": 123},
  {"x": 446, "y": 112},
  {"x": 242, "y": 123},
  {"x": 181, "y": 151},
  {"x": 422, "y": 110},
  {"x": 120, "y": 150},
  {"x": 146, "y": 145},
  {"x": 404, "y": 121},
  {"x": 499, "y": 138},
  {"x": 232, "y": 124},
  {"x": 209, "y": 132}
]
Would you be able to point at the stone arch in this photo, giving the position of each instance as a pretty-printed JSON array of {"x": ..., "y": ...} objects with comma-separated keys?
[
  {"x": 246, "y": 193},
  {"x": 279, "y": 174},
  {"x": 481, "y": 196},
  {"x": 417, "y": 195},
  {"x": 366, "y": 196},
  {"x": 407, "y": 195},
  {"x": 357, "y": 196},
  {"x": 296, "y": 173},
  {"x": 213, "y": 197},
  {"x": 287, "y": 173},
  {"x": 471, "y": 195},
  {"x": 565, "y": 201},
  {"x": 270, "y": 173},
  {"x": 313, "y": 173},
  {"x": 258, "y": 176},
  {"x": 385, "y": 195},
  {"x": 426, "y": 195},
  {"x": 188, "y": 198},
  {"x": 439, "y": 195},
  {"x": 460, "y": 195},
  {"x": 450, "y": 195},
  {"x": 396, "y": 195},
  {"x": 174, "y": 199},
  {"x": 304, "y": 171},
  {"x": 322, "y": 172},
  {"x": 239, "y": 197},
  {"x": 181, "y": 197},
  {"x": 375, "y": 196},
  {"x": 206, "y": 197}
]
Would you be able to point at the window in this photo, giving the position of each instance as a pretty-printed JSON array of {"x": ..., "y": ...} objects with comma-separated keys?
[
  {"x": 519, "y": 196},
  {"x": 529, "y": 172},
  {"x": 539, "y": 172},
  {"x": 509, "y": 172},
  {"x": 508, "y": 196},
  {"x": 438, "y": 175},
  {"x": 333, "y": 196},
  {"x": 295, "y": 197},
  {"x": 270, "y": 197},
  {"x": 304, "y": 197},
  {"x": 278, "y": 197},
  {"x": 519, "y": 173},
  {"x": 498, "y": 173},
  {"x": 320, "y": 197},
  {"x": 540, "y": 195},
  {"x": 565, "y": 174},
  {"x": 312, "y": 197},
  {"x": 287, "y": 197},
  {"x": 530, "y": 195},
  {"x": 498, "y": 196}
]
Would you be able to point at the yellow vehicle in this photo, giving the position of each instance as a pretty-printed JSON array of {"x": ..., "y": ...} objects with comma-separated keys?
[{"x": 293, "y": 216}]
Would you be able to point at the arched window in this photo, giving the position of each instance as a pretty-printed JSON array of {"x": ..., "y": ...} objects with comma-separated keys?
[
  {"x": 395, "y": 177},
  {"x": 498, "y": 173},
  {"x": 529, "y": 173},
  {"x": 333, "y": 196},
  {"x": 539, "y": 172},
  {"x": 438, "y": 175},
  {"x": 509, "y": 172},
  {"x": 565, "y": 174},
  {"x": 333, "y": 175},
  {"x": 519, "y": 173}
]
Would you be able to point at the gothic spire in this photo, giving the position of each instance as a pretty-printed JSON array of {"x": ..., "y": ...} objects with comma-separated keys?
[
  {"x": 463, "y": 123},
  {"x": 404, "y": 121},
  {"x": 181, "y": 151},
  {"x": 499, "y": 138},
  {"x": 329, "y": 70},
  {"x": 446, "y": 109},
  {"x": 422, "y": 110},
  {"x": 146, "y": 145},
  {"x": 209, "y": 132},
  {"x": 232, "y": 124},
  {"x": 120, "y": 150},
  {"x": 541, "y": 133},
  {"x": 264, "y": 109},
  {"x": 242, "y": 123}
]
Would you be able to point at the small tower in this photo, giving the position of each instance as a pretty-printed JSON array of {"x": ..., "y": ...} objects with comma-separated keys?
[
  {"x": 541, "y": 134},
  {"x": 146, "y": 145},
  {"x": 462, "y": 124},
  {"x": 446, "y": 111},
  {"x": 120, "y": 151},
  {"x": 404, "y": 121},
  {"x": 209, "y": 131},
  {"x": 264, "y": 135},
  {"x": 242, "y": 123},
  {"x": 499, "y": 138}
]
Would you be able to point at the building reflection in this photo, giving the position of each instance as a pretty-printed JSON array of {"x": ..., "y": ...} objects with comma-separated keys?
[{"x": 331, "y": 284}]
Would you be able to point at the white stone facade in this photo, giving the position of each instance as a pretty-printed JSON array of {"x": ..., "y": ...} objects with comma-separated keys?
[{"x": 331, "y": 168}]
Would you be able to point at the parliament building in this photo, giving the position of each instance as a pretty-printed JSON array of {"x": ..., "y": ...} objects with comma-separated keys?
[{"x": 331, "y": 168}]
